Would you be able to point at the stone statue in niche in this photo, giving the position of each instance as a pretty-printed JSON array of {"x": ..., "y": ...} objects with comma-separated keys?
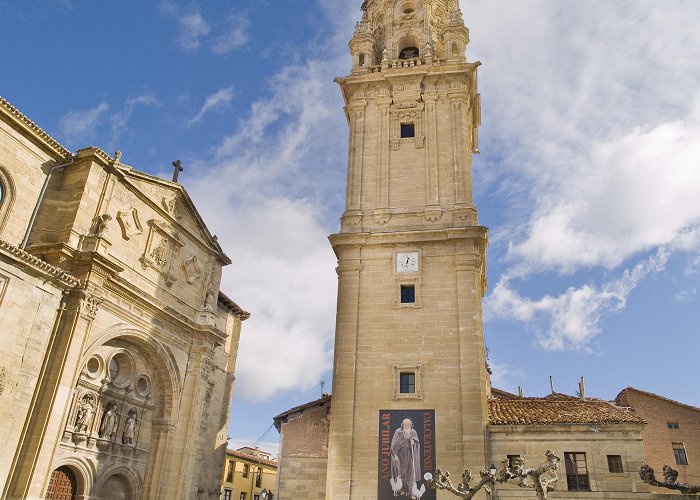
[
  {"x": 211, "y": 296},
  {"x": 129, "y": 428},
  {"x": 109, "y": 421},
  {"x": 83, "y": 418}
]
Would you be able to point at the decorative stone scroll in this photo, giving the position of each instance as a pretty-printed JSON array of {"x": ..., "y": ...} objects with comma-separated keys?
[
  {"x": 129, "y": 223},
  {"x": 192, "y": 268},
  {"x": 161, "y": 250}
]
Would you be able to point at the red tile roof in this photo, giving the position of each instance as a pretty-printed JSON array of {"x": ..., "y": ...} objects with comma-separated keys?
[
  {"x": 251, "y": 458},
  {"x": 540, "y": 411}
]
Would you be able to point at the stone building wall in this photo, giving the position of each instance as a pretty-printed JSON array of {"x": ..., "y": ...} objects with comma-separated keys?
[
  {"x": 303, "y": 454},
  {"x": 117, "y": 347},
  {"x": 596, "y": 441}
]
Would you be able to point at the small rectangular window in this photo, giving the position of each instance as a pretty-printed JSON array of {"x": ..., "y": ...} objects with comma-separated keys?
[
  {"x": 679, "y": 453},
  {"x": 243, "y": 496},
  {"x": 229, "y": 471},
  {"x": 674, "y": 425},
  {"x": 576, "y": 472},
  {"x": 408, "y": 130},
  {"x": 408, "y": 294},
  {"x": 227, "y": 494},
  {"x": 615, "y": 463},
  {"x": 256, "y": 497},
  {"x": 407, "y": 383},
  {"x": 245, "y": 470},
  {"x": 258, "y": 477}
]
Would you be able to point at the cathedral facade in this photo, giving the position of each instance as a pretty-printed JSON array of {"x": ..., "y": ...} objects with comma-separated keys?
[
  {"x": 411, "y": 386},
  {"x": 117, "y": 348}
]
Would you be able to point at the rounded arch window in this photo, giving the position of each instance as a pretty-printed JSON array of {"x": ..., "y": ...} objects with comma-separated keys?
[
  {"x": 121, "y": 368},
  {"x": 93, "y": 366},
  {"x": 143, "y": 385}
]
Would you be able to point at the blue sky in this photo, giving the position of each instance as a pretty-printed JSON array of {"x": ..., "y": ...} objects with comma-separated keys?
[{"x": 588, "y": 179}]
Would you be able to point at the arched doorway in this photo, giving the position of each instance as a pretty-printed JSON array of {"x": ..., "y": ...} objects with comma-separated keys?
[
  {"x": 62, "y": 485},
  {"x": 115, "y": 488}
]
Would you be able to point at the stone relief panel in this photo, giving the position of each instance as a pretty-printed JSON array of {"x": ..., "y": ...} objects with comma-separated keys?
[
  {"x": 162, "y": 248},
  {"x": 129, "y": 223},
  {"x": 114, "y": 405},
  {"x": 192, "y": 269}
]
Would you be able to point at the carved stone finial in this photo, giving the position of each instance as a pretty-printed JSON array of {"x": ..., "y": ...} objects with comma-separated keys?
[
  {"x": 178, "y": 168},
  {"x": 117, "y": 156}
]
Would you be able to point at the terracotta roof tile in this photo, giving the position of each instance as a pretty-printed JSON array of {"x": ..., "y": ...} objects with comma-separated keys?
[
  {"x": 539, "y": 411},
  {"x": 251, "y": 458}
]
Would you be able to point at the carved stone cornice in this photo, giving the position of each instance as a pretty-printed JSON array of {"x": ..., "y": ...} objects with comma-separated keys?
[
  {"x": 21, "y": 121},
  {"x": 39, "y": 266}
]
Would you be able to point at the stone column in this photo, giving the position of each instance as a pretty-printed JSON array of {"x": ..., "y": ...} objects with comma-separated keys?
[
  {"x": 383, "y": 138},
  {"x": 432, "y": 195},
  {"x": 469, "y": 261},
  {"x": 340, "y": 441},
  {"x": 31, "y": 466}
]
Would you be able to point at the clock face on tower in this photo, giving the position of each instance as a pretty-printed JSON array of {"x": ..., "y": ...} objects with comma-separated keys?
[{"x": 407, "y": 262}]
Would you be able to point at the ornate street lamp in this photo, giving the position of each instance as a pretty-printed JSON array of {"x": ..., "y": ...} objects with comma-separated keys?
[
  {"x": 669, "y": 482},
  {"x": 541, "y": 478},
  {"x": 266, "y": 495}
]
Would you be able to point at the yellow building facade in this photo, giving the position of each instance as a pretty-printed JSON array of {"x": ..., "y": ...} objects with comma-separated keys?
[{"x": 249, "y": 474}]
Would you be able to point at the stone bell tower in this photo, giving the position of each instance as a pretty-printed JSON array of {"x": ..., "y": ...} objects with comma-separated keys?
[{"x": 411, "y": 257}]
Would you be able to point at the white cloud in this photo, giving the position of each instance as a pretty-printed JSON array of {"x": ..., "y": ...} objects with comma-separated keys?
[
  {"x": 121, "y": 119},
  {"x": 214, "y": 102},
  {"x": 505, "y": 376},
  {"x": 591, "y": 138},
  {"x": 273, "y": 198},
  {"x": 235, "y": 37},
  {"x": 195, "y": 31},
  {"x": 193, "y": 28},
  {"x": 572, "y": 319},
  {"x": 630, "y": 195},
  {"x": 271, "y": 447},
  {"x": 80, "y": 126}
]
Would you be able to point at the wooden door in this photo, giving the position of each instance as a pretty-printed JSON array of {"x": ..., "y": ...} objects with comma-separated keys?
[{"x": 62, "y": 485}]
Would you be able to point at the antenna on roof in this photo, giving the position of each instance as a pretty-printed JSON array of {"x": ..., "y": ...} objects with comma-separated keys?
[
  {"x": 551, "y": 384},
  {"x": 322, "y": 383},
  {"x": 520, "y": 392},
  {"x": 582, "y": 389}
]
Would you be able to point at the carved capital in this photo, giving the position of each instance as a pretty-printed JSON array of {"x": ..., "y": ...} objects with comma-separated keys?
[
  {"x": 433, "y": 214},
  {"x": 351, "y": 219},
  {"x": 381, "y": 216}
]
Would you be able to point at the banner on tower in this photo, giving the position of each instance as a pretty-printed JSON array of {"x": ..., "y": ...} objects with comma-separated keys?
[{"x": 406, "y": 454}]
